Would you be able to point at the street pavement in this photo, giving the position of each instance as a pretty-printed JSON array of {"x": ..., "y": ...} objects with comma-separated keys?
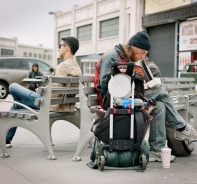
[{"x": 27, "y": 163}]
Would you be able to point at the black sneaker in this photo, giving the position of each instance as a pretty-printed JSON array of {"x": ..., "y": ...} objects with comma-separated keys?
[{"x": 8, "y": 144}]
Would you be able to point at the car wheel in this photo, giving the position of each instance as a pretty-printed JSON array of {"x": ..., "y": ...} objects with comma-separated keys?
[{"x": 3, "y": 90}]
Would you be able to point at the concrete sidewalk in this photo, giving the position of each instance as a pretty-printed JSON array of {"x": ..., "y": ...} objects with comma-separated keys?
[{"x": 28, "y": 163}]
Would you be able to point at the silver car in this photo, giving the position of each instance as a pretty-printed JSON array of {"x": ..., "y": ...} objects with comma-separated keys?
[{"x": 15, "y": 69}]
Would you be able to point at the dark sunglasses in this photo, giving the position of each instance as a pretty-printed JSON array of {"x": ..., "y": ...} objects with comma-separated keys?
[{"x": 60, "y": 45}]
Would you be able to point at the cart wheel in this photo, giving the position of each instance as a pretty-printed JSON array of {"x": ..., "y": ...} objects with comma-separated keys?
[
  {"x": 101, "y": 162},
  {"x": 143, "y": 162}
]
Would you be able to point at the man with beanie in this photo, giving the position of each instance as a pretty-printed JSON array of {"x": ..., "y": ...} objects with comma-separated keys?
[
  {"x": 135, "y": 50},
  {"x": 69, "y": 67}
]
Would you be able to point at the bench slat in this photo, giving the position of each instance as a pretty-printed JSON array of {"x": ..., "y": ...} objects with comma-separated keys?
[
  {"x": 91, "y": 103},
  {"x": 92, "y": 97},
  {"x": 182, "y": 79},
  {"x": 12, "y": 114},
  {"x": 89, "y": 90},
  {"x": 4, "y": 113},
  {"x": 181, "y": 93},
  {"x": 30, "y": 116},
  {"x": 61, "y": 99},
  {"x": 179, "y": 86},
  {"x": 65, "y": 90},
  {"x": 65, "y": 80},
  {"x": 86, "y": 78},
  {"x": 20, "y": 115}
]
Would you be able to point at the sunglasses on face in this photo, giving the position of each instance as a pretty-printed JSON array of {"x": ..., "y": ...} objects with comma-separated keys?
[{"x": 60, "y": 45}]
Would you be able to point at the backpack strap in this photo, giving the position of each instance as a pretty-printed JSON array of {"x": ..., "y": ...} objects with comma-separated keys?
[
  {"x": 129, "y": 71},
  {"x": 114, "y": 68},
  {"x": 130, "y": 67},
  {"x": 139, "y": 128}
]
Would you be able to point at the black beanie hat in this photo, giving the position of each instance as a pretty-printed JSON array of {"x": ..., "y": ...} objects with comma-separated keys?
[{"x": 140, "y": 40}]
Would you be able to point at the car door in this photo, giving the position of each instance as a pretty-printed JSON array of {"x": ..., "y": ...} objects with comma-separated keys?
[
  {"x": 1, "y": 67},
  {"x": 14, "y": 70}
]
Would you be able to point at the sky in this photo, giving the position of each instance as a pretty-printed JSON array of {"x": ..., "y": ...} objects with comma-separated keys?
[{"x": 29, "y": 20}]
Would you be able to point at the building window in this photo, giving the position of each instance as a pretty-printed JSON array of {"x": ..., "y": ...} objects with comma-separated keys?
[
  {"x": 109, "y": 28},
  {"x": 40, "y": 56},
  {"x": 30, "y": 54},
  {"x": 48, "y": 57},
  {"x": 62, "y": 34},
  {"x": 128, "y": 23},
  {"x": 79, "y": 58},
  {"x": 35, "y": 55},
  {"x": 7, "y": 52},
  {"x": 44, "y": 56},
  {"x": 25, "y": 54},
  {"x": 84, "y": 33},
  {"x": 92, "y": 68}
]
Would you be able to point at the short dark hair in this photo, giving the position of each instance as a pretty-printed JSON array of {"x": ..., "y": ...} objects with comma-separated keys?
[
  {"x": 72, "y": 43},
  {"x": 35, "y": 64}
]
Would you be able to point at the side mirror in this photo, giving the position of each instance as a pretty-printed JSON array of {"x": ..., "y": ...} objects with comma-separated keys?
[{"x": 51, "y": 69}]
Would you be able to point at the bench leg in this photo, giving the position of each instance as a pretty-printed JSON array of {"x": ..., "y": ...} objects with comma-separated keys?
[
  {"x": 85, "y": 134},
  {"x": 184, "y": 114},
  {"x": 193, "y": 113},
  {"x": 51, "y": 124},
  {"x": 89, "y": 144},
  {"x": 3, "y": 143},
  {"x": 84, "y": 138},
  {"x": 45, "y": 137}
]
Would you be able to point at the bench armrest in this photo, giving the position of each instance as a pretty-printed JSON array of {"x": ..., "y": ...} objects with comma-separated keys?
[
  {"x": 176, "y": 98},
  {"x": 192, "y": 95},
  {"x": 18, "y": 103}
]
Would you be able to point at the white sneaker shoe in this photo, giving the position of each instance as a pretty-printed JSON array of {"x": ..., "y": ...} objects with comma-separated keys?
[
  {"x": 155, "y": 156},
  {"x": 189, "y": 134},
  {"x": 8, "y": 144}
]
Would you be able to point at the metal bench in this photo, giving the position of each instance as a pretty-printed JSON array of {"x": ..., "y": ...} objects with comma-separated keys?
[
  {"x": 184, "y": 97},
  {"x": 88, "y": 100},
  {"x": 40, "y": 122}
]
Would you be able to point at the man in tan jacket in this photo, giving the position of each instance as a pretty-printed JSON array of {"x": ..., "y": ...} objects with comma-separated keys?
[{"x": 69, "y": 67}]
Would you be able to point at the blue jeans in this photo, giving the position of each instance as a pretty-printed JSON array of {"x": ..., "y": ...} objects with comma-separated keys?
[
  {"x": 164, "y": 112},
  {"x": 24, "y": 96}
]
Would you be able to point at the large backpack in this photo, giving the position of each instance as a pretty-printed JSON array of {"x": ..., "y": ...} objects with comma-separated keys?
[
  {"x": 136, "y": 77},
  {"x": 122, "y": 145}
]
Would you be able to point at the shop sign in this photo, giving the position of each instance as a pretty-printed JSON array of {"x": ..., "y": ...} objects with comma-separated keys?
[
  {"x": 154, "y": 6},
  {"x": 188, "y": 36}
]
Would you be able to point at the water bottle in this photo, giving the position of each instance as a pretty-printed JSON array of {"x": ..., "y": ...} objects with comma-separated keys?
[
  {"x": 127, "y": 103},
  {"x": 151, "y": 105}
]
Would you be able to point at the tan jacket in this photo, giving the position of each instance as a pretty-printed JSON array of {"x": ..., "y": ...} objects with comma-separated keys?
[{"x": 69, "y": 67}]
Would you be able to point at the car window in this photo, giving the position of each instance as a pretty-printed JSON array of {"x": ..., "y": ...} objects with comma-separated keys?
[
  {"x": 19, "y": 64},
  {"x": 42, "y": 66}
]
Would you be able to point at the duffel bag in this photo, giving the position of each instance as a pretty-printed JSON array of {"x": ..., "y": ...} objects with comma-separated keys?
[
  {"x": 118, "y": 158},
  {"x": 179, "y": 148}
]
